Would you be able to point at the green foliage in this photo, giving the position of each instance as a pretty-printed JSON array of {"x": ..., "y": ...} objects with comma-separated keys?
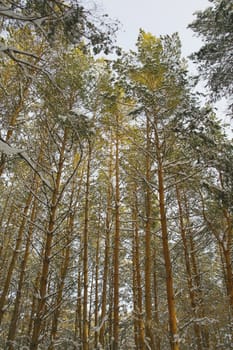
[
  {"x": 144, "y": 101},
  {"x": 156, "y": 73},
  {"x": 57, "y": 22},
  {"x": 215, "y": 27}
]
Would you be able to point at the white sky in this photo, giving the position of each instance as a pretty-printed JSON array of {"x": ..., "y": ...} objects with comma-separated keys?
[{"x": 156, "y": 16}]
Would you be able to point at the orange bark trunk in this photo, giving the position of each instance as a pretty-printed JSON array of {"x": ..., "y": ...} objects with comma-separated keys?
[
  {"x": 168, "y": 267},
  {"x": 47, "y": 251},
  {"x": 116, "y": 247}
]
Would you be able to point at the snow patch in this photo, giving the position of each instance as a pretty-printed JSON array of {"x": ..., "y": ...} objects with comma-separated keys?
[{"x": 8, "y": 150}]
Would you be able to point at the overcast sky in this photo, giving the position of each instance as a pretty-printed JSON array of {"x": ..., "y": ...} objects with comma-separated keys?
[{"x": 156, "y": 16}]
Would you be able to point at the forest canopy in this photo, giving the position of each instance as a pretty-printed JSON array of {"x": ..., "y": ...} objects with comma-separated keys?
[{"x": 116, "y": 184}]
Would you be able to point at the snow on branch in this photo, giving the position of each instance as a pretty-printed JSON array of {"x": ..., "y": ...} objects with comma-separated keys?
[
  {"x": 9, "y": 150},
  {"x": 13, "y": 52},
  {"x": 7, "y": 12},
  {"x": 8, "y": 49}
]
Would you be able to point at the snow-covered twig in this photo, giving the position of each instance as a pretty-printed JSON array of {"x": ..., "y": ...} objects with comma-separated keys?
[
  {"x": 7, "y": 12},
  {"x": 9, "y": 150}
]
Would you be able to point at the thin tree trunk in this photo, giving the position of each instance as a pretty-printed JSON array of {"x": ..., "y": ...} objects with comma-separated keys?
[
  {"x": 85, "y": 255},
  {"x": 33, "y": 307},
  {"x": 14, "y": 255},
  {"x": 116, "y": 245},
  {"x": 61, "y": 283},
  {"x": 47, "y": 251},
  {"x": 106, "y": 249},
  {"x": 78, "y": 312},
  {"x": 192, "y": 296},
  {"x": 6, "y": 241},
  {"x": 148, "y": 261},
  {"x": 196, "y": 279},
  {"x": 135, "y": 307},
  {"x": 3, "y": 214},
  {"x": 90, "y": 302},
  {"x": 97, "y": 284},
  {"x": 137, "y": 288},
  {"x": 156, "y": 308},
  {"x": 109, "y": 330},
  {"x": 227, "y": 252},
  {"x": 168, "y": 266},
  {"x": 16, "y": 310}
]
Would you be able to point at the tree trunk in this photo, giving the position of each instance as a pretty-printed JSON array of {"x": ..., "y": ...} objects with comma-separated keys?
[
  {"x": 106, "y": 248},
  {"x": 196, "y": 279},
  {"x": 193, "y": 301},
  {"x": 78, "y": 311},
  {"x": 14, "y": 255},
  {"x": 148, "y": 261},
  {"x": 116, "y": 246},
  {"x": 97, "y": 284},
  {"x": 85, "y": 255},
  {"x": 6, "y": 237},
  {"x": 61, "y": 283},
  {"x": 227, "y": 251},
  {"x": 47, "y": 251},
  {"x": 156, "y": 308},
  {"x": 137, "y": 284},
  {"x": 168, "y": 267},
  {"x": 16, "y": 310}
]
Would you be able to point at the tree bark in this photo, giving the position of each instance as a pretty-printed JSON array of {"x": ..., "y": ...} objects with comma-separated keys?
[
  {"x": 15, "y": 255},
  {"x": 156, "y": 306},
  {"x": 137, "y": 280},
  {"x": 116, "y": 245},
  {"x": 106, "y": 247},
  {"x": 192, "y": 296},
  {"x": 97, "y": 284},
  {"x": 37, "y": 325},
  {"x": 16, "y": 311},
  {"x": 148, "y": 261},
  {"x": 61, "y": 284},
  {"x": 85, "y": 255}
]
